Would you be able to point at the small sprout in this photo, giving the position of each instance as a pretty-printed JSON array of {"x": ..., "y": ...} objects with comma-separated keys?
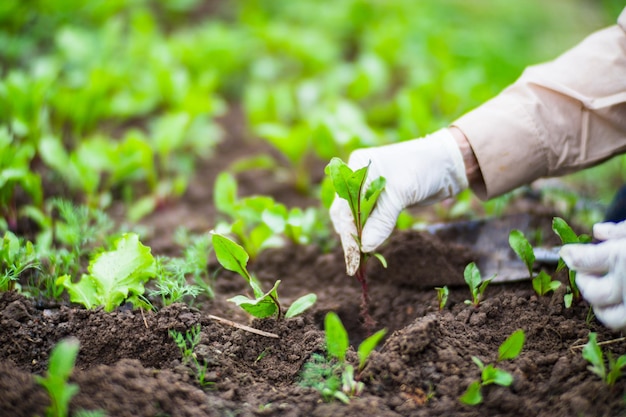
[
  {"x": 593, "y": 354},
  {"x": 187, "y": 343},
  {"x": 60, "y": 368},
  {"x": 523, "y": 249},
  {"x": 442, "y": 296},
  {"x": 264, "y": 304},
  {"x": 332, "y": 376},
  {"x": 490, "y": 374},
  {"x": 476, "y": 283},
  {"x": 543, "y": 283}
]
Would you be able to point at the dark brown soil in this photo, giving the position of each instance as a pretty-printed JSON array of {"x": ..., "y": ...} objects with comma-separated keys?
[{"x": 128, "y": 364}]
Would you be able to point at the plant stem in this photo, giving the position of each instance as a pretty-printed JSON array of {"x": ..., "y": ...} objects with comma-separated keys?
[{"x": 368, "y": 321}]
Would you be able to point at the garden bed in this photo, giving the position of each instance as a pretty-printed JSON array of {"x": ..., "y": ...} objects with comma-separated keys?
[{"x": 128, "y": 364}]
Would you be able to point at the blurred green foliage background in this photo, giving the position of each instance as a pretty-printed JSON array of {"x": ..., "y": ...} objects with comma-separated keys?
[{"x": 109, "y": 94}]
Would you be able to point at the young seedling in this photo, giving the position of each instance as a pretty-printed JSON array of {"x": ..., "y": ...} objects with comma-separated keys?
[
  {"x": 567, "y": 235},
  {"x": 332, "y": 376},
  {"x": 60, "y": 368},
  {"x": 350, "y": 186},
  {"x": 187, "y": 344},
  {"x": 442, "y": 296},
  {"x": 542, "y": 282},
  {"x": 476, "y": 283},
  {"x": 490, "y": 374},
  {"x": 264, "y": 304},
  {"x": 593, "y": 354},
  {"x": 16, "y": 256}
]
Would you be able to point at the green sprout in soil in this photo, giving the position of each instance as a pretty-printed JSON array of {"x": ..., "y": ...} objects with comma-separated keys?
[
  {"x": 475, "y": 283},
  {"x": 609, "y": 372},
  {"x": 60, "y": 368},
  {"x": 187, "y": 343},
  {"x": 490, "y": 374},
  {"x": 350, "y": 186},
  {"x": 234, "y": 258},
  {"x": 567, "y": 235},
  {"x": 442, "y": 296},
  {"x": 542, "y": 282},
  {"x": 332, "y": 375}
]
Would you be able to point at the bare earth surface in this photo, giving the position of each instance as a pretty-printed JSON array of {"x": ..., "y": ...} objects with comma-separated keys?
[{"x": 129, "y": 366}]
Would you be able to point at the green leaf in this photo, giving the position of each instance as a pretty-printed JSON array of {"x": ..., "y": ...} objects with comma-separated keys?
[
  {"x": 493, "y": 375},
  {"x": 543, "y": 283},
  {"x": 368, "y": 345},
  {"x": 472, "y": 277},
  {"x": 337, "y": 342},
  {"x": 512, "y": 346},
  {"x": 369, "y": 199},
  {"x": 261, "y": 307},
  {"x": 61, "y": 365},
  {"x": 348, "y": 185},
  {"x": 593, "y": 354},
  {"x": 225, "y": 192},
  {"x": 230, "y": 255},
  {"x": 472, "y": 395},
  {"x": 478, "y": 362},
  {"x": 301, "y": 305},
  {"x": 523, "y": 249},
  {"x": 381, "y": 259},
  {"x": 564, "y": 231}
]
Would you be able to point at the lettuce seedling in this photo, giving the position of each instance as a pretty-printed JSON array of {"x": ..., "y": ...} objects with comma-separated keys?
[
  {"x": 114, "y": 276},
  {"x": 60, "y": 368},
  {"x": 350, "y": 185},
  {"x": 490, "y": 374},
  {"x": 332, "y": 376},
  {"x": 593, "y": 354},
  {"x": 476, "y": 283},
  {"x": 543, "y": 283},
  {"x": 264, "y": 304}
]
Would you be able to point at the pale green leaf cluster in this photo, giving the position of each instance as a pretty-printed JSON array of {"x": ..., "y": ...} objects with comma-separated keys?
[
  {"x": 476, "y": 283},
  {"x": 114, "y": 276}
]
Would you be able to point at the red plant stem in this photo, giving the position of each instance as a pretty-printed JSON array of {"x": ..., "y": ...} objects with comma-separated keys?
[{"x": 368, "y": 321}]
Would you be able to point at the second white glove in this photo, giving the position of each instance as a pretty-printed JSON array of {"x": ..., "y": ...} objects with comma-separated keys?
[
  {"x": 601, "y": 272},
  {"x": 418, "y": 172}
]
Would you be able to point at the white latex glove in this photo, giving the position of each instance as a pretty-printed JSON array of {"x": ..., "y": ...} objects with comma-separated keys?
[
  {"x": 601, "y": 272},
  {"x": 418, "y": 172}
]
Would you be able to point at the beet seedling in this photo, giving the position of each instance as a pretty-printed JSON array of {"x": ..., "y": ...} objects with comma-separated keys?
[
  {"x": 567, "y": 235},
  {"x": 593, "y": 354},
  {"x": 476, "y": 283},
  {"x": 264, "y": 304},
  {"x": 490, "y": 374},
  {"x": 542, "y": 282},
  {"x": 332, "y": 376},
  {"x": 350, "y": 186}
]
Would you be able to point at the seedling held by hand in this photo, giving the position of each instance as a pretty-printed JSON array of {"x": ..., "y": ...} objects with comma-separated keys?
[{"x": 350, "y": 186}]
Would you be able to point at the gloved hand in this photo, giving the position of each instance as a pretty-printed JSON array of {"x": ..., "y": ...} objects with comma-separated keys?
[
  {"x": 601, "y": 272},
  {"x": 418, "y": 172}
]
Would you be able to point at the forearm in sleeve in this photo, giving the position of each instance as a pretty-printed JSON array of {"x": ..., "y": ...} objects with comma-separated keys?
[{"x": 557, "y": 118}]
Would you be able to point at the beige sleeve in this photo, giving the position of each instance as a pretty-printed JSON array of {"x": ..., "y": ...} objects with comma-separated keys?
[{"x": 557, "y": 118}]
